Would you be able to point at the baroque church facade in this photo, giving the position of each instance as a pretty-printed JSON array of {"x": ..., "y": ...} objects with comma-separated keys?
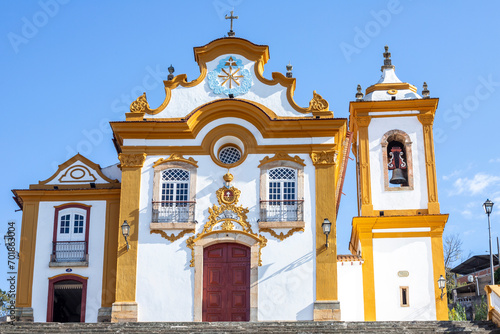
[{"x": 223, "y": 207}]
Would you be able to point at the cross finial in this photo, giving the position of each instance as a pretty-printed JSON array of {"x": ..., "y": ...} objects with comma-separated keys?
[{"x": 231, "y": 32}]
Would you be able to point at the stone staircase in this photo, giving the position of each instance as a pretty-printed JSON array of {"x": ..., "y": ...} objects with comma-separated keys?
[{"x": 302, "y": 327}]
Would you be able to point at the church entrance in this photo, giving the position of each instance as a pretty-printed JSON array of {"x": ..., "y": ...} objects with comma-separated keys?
[
  {"x": 226, "y": 282},
  {"x": 67, "y": 299}
]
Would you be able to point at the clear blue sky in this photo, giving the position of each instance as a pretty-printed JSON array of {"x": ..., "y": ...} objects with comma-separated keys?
[{"x": 69, "y": 69}]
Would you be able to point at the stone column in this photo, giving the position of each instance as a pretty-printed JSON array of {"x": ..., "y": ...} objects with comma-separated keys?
[
  {"x": 326, "y": 306},
  {"x": 125, "y": 307}
]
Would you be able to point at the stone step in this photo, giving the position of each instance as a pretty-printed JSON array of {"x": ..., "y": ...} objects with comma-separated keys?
[{"x": 255, "y": 327}]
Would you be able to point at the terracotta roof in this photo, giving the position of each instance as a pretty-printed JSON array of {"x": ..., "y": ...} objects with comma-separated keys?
[{"x": 349, "y": 258}]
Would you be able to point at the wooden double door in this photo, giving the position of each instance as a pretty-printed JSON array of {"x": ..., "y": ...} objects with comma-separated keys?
[{"x": 226, "y": 282}]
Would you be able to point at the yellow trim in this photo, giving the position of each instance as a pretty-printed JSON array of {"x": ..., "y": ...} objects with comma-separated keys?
[
  {"x": 176, "y": 157},
  {"x": 378, "y": 235},
  {"x": 27, "y": 254},
  {"x": 438, "y": 270},
  {"x": 430, "y": 165},
  {"x": 326, "y": 258},
  {"x": 126, "y": 269},
  {"x": 364, "y": 166},
  {"x": 110, "y": 247},
  {"x": 370, "y": 310},
  {"x": 391, "y": 86},
  {"x": 78, "y": 157},
  {"x": 256, "y": 53},
  {"x": 69, "y": 274},
  {"x": 269, "y": 124},
  {"x": 65, "y": 195},
  {"x": 71, "y": 204}
]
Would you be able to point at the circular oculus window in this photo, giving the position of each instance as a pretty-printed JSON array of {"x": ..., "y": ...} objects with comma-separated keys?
[{"x": 229, "y": 155}]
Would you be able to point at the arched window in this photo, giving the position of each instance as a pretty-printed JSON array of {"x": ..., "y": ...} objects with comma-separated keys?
[
  {"x": 281, "y": 191},
  {"x": 71, "y": 233},
  {"x": 397, "y": 161},
  {"x": 174, "y": 192}
]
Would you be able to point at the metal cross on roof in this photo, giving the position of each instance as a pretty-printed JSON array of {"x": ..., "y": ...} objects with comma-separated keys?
[{"x": 231, "y": 32}]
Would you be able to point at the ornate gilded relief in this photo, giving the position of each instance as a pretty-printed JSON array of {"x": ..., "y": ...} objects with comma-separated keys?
[
  {"x": 176, "y": 157},
  {"x": 282, "y": 236},
  {"x": 140, "y": 104},
  {"x": 282, "y": 156},
  {"x": 131, "y": 160},
  {"x": 172, "y": 237},
  {"x": 318, "y": 103},
  {"x": 324, "y": 158},
  {"x": 227, "y": 217}
]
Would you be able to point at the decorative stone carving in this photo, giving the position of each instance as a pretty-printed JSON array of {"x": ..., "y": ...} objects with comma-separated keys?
[
  {"x": 172, "y": 237},
  {"x": 132, "y": 160},
  {"x": 140, "y": 104},
  {"x": 324, "y": 158},
  {"x": 318, "y": 103},
  {"x": 226, "y": 218},
  {"x": 282, "y": 156},
  {"x": 176, "y": 157},
  {"x": 282, "y": 236}
]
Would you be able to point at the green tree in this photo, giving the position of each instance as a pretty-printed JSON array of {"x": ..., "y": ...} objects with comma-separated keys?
[{"x": 4, "y": 303}]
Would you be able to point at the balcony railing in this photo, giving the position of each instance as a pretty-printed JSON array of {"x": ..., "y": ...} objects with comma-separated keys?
[
  {"x": 69, "y": 251},
  {"x": 282, "y": 211},
  {"x": 173, "y": 212}
]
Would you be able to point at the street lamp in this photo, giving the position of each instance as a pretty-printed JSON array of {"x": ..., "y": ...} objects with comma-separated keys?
[
  {"x": 488, "y": 207},
  {"x": 126, "y": 232},
  {"x": 327, "y": 227},
  {"x": 441, "y": 285}
]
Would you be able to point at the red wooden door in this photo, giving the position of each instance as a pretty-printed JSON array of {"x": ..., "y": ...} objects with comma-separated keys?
[{"x": 226, "y": 282}]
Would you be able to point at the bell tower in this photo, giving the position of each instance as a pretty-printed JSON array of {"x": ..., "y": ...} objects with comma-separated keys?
[{"x": 398, "y": 231}]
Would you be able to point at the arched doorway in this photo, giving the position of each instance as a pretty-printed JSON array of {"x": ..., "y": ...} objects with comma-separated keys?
[
  {"x": 67, "y": 299},
  {"x": 226, "y": 282}
]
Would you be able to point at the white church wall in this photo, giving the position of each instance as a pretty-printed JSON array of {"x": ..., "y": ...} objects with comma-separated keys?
[
  {"x": 350, "y": 290},
  {"x": 286, "y": 277},
  {"x": 42, "y": 272},
  {"x": 186, "y": 99},
  {"x": 404, "y": 199},
  {"x": 413, "y": 255}
]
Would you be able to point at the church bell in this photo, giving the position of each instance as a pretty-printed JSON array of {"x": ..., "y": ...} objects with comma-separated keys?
[
  {"x": 397, "y": 176},
  {"x": 397, "y": 164}
]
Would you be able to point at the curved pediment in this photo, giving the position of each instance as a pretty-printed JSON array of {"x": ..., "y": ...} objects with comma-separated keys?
[{"x": 229, "y": 68}]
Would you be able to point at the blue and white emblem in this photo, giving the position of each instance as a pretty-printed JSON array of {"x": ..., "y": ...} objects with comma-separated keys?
[{"x": 230, "y": 77}]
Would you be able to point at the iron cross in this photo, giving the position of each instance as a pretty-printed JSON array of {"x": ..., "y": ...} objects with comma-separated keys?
[{"x": 231, "y": 32}]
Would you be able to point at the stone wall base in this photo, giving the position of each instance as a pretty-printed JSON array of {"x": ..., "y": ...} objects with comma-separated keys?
[
  {"x": 326, "y": 310},
  {"x": 24, "y": 314},
  {"x": 124, "y": 312},
  {"x": 104, "y": 314}
]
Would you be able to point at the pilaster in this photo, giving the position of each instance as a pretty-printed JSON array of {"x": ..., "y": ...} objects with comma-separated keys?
[
  {"x": 364, "y": 165},
  {"x": 326, "y": 306},
  {"x": 125, "y": 307},
  {"x": 430, "y": 166}
]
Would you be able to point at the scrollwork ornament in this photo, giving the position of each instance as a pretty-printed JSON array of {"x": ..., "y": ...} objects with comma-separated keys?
[{"x": 140, "y": 104}]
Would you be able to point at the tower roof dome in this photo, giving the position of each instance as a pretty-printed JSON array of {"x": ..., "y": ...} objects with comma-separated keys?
[{"x": 389, "y": 87}]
